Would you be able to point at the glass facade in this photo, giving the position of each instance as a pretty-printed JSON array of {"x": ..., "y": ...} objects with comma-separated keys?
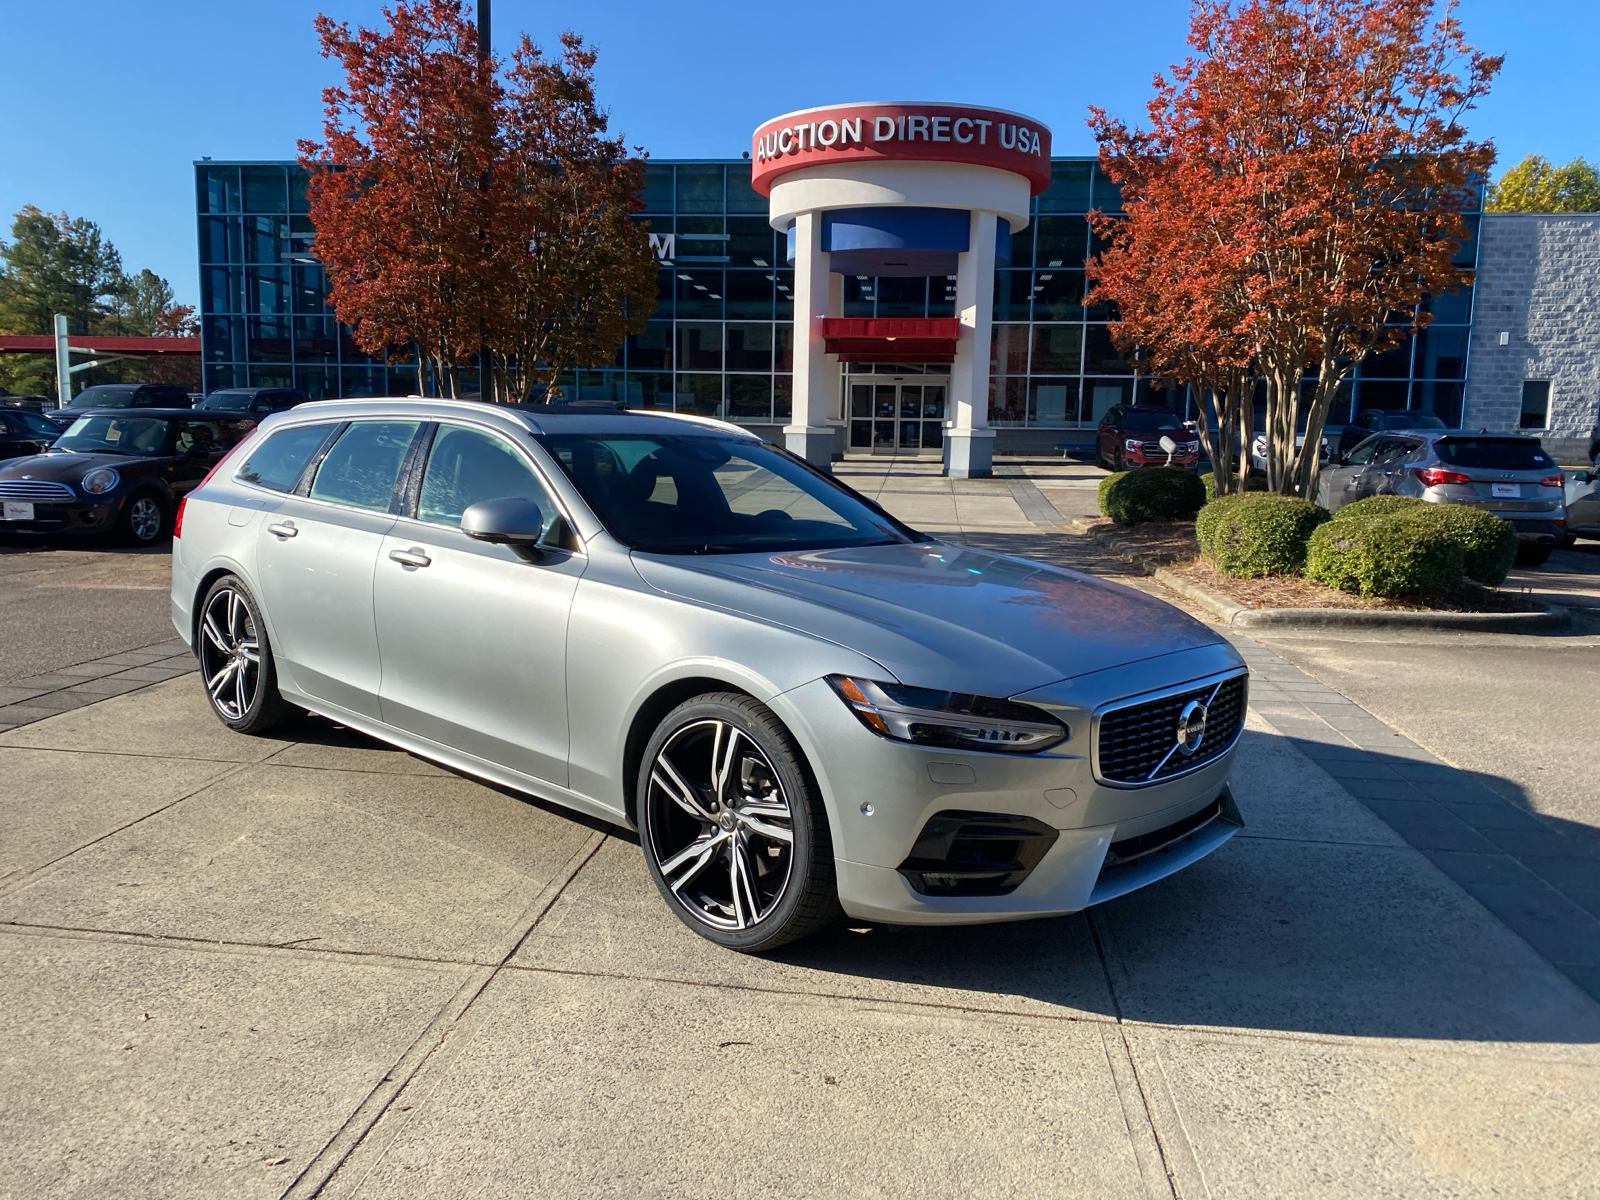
[{"x": 721, "y": 342}]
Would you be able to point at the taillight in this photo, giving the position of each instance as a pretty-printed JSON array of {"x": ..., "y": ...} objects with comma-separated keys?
[
  {"x": 177, "y": 521},
  {"x": 1434, "y": 477},
  {"x": 1556, "y": 480}
]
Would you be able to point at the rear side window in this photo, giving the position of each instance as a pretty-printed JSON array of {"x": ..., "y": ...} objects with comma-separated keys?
[
  {"x": 277, "y": 462},
  {"x": 364, "y": 463},
  {"x": 1493, "y": 454}
]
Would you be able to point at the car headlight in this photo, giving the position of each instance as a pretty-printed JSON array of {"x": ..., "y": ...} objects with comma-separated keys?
[
  {"x": 99, "y": 481},
  {"x": 955, "y": 720},
  {"x": 1132, "y": 444}
]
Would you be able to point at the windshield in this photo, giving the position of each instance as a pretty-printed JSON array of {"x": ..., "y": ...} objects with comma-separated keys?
[
  {"x": 1412, "y": 419},
  {"x": 1151, "y": 420},
  {"x": 105, "y": 395},
  {"x": 684, "y": 494},
  {"x": 228, "y": 401},
  {"x": 1494, "y": 454},
  {"x": 114, "y": 435}
]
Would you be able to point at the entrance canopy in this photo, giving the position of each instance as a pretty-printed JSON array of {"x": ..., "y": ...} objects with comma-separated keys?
[{"x": 892, "y": 339}]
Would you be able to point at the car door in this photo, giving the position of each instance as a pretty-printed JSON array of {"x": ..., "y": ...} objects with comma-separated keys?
[
  {"x": 197, "y": 447},
  {"x": 1107, "y": 435},
  {"x": 315, "y": 555},
  {"x": 1583, "y": 503},
  {"x": 1388, "y": 464},
  {"x": 473, "y": 636},
  {"x": 1341, "y": 485}
]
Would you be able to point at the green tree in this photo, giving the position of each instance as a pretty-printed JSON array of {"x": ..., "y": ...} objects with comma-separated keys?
[
  {"x": 1537, "y": 185},
  {"x": 56, "y": 264}
]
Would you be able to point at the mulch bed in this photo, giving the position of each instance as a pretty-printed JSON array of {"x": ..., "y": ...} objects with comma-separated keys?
[{"x": 1171, "y": 544}]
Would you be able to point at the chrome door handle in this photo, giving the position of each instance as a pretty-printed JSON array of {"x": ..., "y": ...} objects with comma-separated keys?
[
  {"x": 409, "y": 558},
  {"x": 283, "y": 530}
]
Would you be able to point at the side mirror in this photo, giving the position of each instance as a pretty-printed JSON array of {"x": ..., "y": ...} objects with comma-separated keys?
[{"x": 513, "y": 521}]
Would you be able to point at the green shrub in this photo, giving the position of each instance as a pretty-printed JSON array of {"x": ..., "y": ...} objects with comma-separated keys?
[
  {"x": 1376, "y": 506},
  {"x": 1488, "y": 544},
  {"x": 1257, "y": 533},
  {"x": 1151, "y": 494},
  {"x": 1403, "y": 553},
  {"x": 1254, "y": 482}
]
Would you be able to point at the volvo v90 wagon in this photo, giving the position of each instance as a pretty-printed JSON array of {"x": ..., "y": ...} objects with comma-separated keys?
[{"x": 801, "y": 704}]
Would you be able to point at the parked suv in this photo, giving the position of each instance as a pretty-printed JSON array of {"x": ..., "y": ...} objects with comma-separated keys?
[
  {"x": 1130, "y": 436},
  {"x": 254, "y": 402},
  {"x": 1511, "y": 476},
  {"x": 1376, "y": 420},
  {"x": 121, "y": 395}
]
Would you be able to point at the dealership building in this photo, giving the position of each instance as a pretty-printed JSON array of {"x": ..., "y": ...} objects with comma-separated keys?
[{"x": 936, "y": 254}]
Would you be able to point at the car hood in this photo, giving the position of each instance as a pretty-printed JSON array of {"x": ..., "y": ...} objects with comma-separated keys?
[
  {"x": 64, "y": 467},
  {"x": 940, "y": 616}
]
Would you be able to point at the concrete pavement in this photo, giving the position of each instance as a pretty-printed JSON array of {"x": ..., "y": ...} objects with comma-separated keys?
[{"x": 313, "y": 965}]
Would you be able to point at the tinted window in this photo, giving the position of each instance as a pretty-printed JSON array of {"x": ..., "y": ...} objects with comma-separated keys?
[
  {"x": 1392, "y": 449},
  {"x": 106, "y": 395},
  {"x": 211, "y": 436},
  {"x": 1362, "y": 454},
  {"x": 361, "y": 468},
  {"x": 228, "y": 401},
  {"x": 1493, "y": 454},
  {"x": 1145, "y": 421},
  {"x": 678, "y": 494},
  {"x": 277, "y": 462},
  {"x": 466, "y": 466},
  {"x": 36, "y": 424},
  {"x": 115, "y": 435}
]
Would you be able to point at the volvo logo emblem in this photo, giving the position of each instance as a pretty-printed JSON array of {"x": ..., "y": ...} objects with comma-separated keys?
[{"x": 1191, "y": 727}]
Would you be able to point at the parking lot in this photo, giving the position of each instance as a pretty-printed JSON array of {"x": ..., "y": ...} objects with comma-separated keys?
[{"x": 312, "y": 965}]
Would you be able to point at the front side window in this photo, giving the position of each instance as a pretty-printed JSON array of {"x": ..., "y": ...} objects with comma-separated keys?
[
  {"x": 114, "y": 435},
  {"x": 34, "y": 423},
  {"x": 689, "y": 494},
  {"x": 467, "y": 466},
  {"x": 228, "y": 401},
  {"x": 277, "y": 462},
  {"x": 211, "y": 436},
  {"x": 364, "y": 463},
  {"x": 1362, "y": 454}
]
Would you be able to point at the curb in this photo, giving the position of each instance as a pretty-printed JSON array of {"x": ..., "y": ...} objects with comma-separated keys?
[{"x": 1552, "y": 617}]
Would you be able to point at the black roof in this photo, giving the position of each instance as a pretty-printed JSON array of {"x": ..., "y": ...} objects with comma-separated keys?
[{"x": 168, "y": 414}]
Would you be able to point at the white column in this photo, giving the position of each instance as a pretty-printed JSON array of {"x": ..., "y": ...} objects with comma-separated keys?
[
  {"x": 969, "y": 442},
  {"x": 63, "y": 364},
  {"x": 808, "y": 433}
]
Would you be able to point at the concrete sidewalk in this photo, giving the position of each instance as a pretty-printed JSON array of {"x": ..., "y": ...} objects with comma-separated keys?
[{"x": 314, "y": 965}]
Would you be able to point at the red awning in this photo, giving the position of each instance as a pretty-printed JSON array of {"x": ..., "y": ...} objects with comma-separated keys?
[
  {"x": 892, "y": 339},
  {"x": 44, "y": 343}
]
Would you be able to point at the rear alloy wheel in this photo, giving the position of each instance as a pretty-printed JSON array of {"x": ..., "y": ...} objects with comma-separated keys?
[
  {"x": 143, "y": 519},
  {"x": 236, "y": 661},
  {"x": 732, "y": 826}
]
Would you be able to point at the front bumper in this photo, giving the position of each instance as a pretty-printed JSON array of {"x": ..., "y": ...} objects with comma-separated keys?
[
  {"x": 68, "y": 517},
  {"x": 882, "y": 796}
]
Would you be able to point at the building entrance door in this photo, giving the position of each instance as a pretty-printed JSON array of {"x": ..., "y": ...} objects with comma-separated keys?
[{"x": 897, "y": 417}]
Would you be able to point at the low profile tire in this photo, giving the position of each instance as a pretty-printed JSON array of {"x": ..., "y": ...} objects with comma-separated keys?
[
  {"x": 733, "y": 827},
  {"x": 236, "y": 665},
  {"x": 143, "y": 520},
  {"x": 1533, "y": 555}
]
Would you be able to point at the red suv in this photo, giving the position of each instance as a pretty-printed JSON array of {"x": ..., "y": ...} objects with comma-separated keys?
[{"x": 1130, "y": 436}]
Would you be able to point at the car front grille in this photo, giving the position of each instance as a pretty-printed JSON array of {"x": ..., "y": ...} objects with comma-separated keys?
[
  {"x": 27, "y": 489},
  {"x": 1154, "y": 450},
  {"x": 1136, "y": 743}
]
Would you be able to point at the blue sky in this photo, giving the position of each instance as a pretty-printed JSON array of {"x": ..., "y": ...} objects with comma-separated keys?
[{"x": 104, "y": 105}]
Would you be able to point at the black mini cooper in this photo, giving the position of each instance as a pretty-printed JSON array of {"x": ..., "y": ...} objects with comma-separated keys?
[{"x": 121, "y": 470}]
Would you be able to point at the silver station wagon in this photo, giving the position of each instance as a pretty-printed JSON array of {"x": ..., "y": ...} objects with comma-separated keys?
[{"x": 800, "y": 704}]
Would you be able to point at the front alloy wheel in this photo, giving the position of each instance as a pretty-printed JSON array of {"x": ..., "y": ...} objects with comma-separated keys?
[
  {"x": 143, "y": 519},
  {"x": 733, "y": 832}
]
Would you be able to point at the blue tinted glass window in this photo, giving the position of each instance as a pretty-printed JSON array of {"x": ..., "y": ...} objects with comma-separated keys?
[
  {"x": 221, "y": 240},
  {"x": 700, "y": 188},
  {"x": 1068, "y": 190},
  {"x": 1060, "y": 241},
  {"x": 218, "y": 189},
  {"x": 298, "y": 178},
  {"x": 1107, "y": 197},
  {"x": 265, "y": 190},
  {"x": 749, "y": 294},
  {"x": 658, "y": 187},
  {"x": 742, "y": 198}
]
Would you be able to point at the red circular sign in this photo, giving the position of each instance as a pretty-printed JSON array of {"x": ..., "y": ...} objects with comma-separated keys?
[{"x": 961, "y": 133}]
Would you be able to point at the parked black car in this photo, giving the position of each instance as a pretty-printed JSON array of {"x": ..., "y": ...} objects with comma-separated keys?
[
  {"x": 256, "y": 402},
  {"x": 23, "y": 432},
  {"x": 37, "y": 404},
  {"x": 121, "y": 395},
  {"x": 1380, "y": 420},
  {"x": 115, "y": 469}
]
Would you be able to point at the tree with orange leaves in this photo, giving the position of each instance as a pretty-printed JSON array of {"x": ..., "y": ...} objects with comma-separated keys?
[
  {"x": 1304, "y": 172},
  {"x": 396, "y": 191}
]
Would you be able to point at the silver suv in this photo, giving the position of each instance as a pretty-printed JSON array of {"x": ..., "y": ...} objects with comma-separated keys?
[{"x": 1509, "y": 475}]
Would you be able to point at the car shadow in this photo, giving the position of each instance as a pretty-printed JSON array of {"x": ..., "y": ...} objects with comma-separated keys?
[{"x": 1361, "y": 938}]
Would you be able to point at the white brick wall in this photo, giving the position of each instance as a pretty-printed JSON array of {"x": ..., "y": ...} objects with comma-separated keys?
[{"x": 1539, "y": 281}]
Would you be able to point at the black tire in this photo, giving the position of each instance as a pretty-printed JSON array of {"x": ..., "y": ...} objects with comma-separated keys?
[
  {"x": 143, "y": 519},
  {"x": 1532, "y": 555},
  {"x": 236, "y": 667},
  {"x": 773, "y": 835},
  {"x": 1568, "y": 541}
]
